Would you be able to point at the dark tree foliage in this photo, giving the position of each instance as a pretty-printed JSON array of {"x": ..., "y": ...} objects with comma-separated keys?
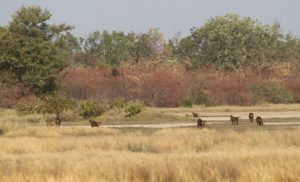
[
  {"x": 231, "y": 42},
  {"x": 29, "y": 49},
  {"x": 115, "y": 48}
]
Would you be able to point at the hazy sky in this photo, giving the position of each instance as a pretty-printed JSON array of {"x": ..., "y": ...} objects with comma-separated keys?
[{"x": 170, "y": 16}]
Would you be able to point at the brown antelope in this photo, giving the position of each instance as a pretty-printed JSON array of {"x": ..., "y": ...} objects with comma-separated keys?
[
  {"x": 251, "y": 117},
  {"x": 95, "y": 123},
  {"x": 234, "y": 120},
  {"x": 259, "y": 121},
  {"x": 201, "y": 123},
  {"x": 58, "y": 119},
  {"x": 195, "y": 115}
]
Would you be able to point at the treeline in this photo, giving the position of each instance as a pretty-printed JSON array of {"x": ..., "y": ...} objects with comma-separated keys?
[
  {"x": 226, "y": 42},
  {"x": 38, "y": 59}
]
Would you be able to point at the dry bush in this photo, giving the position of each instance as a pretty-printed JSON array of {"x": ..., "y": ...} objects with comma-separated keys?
[
  {"x": 12, "y": 94},
  {"x": 99, "y": 84},
  {"x": 160, "y": 87},
  {"x": 231, "y": 89},
  {"x": 167, "y": 86},
  {"x": 293, "y": 84},
  {"x": 163, "y": 88}
]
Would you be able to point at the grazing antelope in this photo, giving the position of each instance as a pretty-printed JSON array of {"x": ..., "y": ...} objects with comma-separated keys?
[
  {"x": 201, "y": 123},
  {"x": 259, "y": 121},
  {"x": 251, "y": 117},
  {"x": 195, "y": 115},
  {"x": 234, "y": 120},
  {"x": 95, "y": 123}
]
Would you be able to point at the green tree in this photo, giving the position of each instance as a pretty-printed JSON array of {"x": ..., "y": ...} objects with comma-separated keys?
[
  {"x": 111, "y": 48},
  {"x": 231, "y": 42},
  {"x": 70, "y": 43},
  {"x": 288, "y": 48},
  {"x": 184, "y": 49},
  {"x": 55, "y": 105},
  {"x": 115, "y": 48},
  {"x": 150, "y": 45},
  {"x": 29, "y": 49},
  {"x": 141, "y": 48}
]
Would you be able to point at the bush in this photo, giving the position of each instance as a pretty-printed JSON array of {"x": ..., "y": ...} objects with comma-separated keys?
[
  {"x": 230, "y": 89},
  {"x": 24, "y": 109},
  {"x": 55, "y": 104},
  {"x": 267, "y": 91},
  {"x": 202, "y": 98},
  {"x": 92, "y": 109},
  {"x": 187, "y": 102},
  {"x": 118, "y": 103},
  {"x": 133, "y": 107},
  {"x": 70, "y": 115},
  {"x": 293, "y": 84},
  {"x": 163, "y": 88}
]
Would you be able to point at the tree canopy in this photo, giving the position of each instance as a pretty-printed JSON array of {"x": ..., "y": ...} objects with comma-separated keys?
[
  {"x": 117, "y": 47},
  {"x": 231, "y": 42},
  {"x": 29, "y": 49}
]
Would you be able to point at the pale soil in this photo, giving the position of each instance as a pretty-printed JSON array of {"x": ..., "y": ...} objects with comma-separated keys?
[
  {"x": 215, "y": 118},
  {"x": 219, "y": 115}
]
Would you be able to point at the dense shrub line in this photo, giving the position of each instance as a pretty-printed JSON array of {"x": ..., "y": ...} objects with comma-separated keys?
[{"x": 172, "y": 87}]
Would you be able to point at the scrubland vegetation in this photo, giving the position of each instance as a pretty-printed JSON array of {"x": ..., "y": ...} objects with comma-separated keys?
[
  {"x": 229, "y": 60},
  {"x": 47, "y": 74}
]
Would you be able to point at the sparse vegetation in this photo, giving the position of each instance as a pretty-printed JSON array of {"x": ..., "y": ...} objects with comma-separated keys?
[{"x": 24, "y": 109}]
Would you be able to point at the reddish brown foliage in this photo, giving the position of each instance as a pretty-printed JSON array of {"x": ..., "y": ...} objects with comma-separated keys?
[
  {"x": 11, "y": 95},
  {"x": 166, "y": 86},
  {"x": 293, "y": 84},
  {"x": 157, "y": 88},
  {"x": 163, "y": 88},
  {"x": 231, "y": 89},
  {"x": 99, "y": 84}
]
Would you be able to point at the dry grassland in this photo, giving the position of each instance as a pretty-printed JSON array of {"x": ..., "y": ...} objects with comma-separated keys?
[{"x": 182, "y": 154}]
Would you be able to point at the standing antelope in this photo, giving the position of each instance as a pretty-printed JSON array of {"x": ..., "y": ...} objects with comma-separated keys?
[
  {"x": 251, "y": 117},
  {"x": 259, "y": 121},
  {"x": 234, "y": 120},
  {"x": 200, "y": 123},
  {"x": 195, "y": 115},
  {"x": 95, "y": 123}
]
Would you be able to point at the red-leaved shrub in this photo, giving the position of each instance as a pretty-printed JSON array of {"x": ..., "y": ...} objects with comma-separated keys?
[
  {"x": 293, "y": 84},
  {"x": 163, "y": 88}
]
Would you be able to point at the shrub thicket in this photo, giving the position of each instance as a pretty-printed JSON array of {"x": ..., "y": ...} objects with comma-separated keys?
[
  {"x": 26, "y": 108},
  {"x": 187, "y": 102},
  {"x": 133, "y": 107},
  {"x": 92, "y": 109},
  {"x": 268, "y": 91},
  {"x": 202, "y": 98},
  {"x": 117, "y": 103}
]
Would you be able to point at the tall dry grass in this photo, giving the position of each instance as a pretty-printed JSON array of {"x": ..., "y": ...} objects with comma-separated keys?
[{"x": 98, "y": 154}]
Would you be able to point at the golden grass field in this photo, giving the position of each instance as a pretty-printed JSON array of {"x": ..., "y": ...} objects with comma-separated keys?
[
  {"x": 39, "y": 153},
  {"x": 182, "y": 154}
]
